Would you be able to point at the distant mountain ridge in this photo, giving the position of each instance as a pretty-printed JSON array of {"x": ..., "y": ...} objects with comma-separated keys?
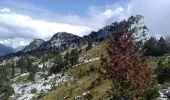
[
  {"x": 5, "y": 49},
  {"x": 63, "y": 40}
]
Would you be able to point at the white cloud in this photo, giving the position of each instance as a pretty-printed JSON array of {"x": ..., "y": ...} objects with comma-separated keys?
[
  {"x": 24, "y": 28},
  {"x": 14, "y": 25},
  {"x": 5, "y": 10},
  {"x": 25, "y": 25},
  {"x": 16, "y": 42},
  {"x": 155, "y": 12}
]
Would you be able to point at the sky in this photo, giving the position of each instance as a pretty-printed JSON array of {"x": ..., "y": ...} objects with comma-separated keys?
[{"x": 21, "y": 21}]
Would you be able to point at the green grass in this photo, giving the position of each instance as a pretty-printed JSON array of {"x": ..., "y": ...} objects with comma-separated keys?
[
  {"x": 84, "y": 68},
  {"x": 96, "y": 51},
  {"x": 81, "y": 84},
  {"x": 86, "y": 76}
]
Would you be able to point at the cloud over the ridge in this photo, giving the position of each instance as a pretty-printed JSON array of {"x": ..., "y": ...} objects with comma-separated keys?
[
  {"x": 23, "y": 27},
  {"x": 15, "y": 26},
  {"x": 155, "y": 12}
]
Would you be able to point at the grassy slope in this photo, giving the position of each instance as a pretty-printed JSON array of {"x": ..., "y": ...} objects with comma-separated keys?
[
  {"x": 82, "y": 84},
  {"x": 84, "y": 78},
  {"x": 96, "y": 51},
  {"x": 85, "y": 75}
]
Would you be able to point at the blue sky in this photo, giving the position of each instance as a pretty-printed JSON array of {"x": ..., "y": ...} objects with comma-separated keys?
[
  {"x": 65, "y": 7},
  {"x": 21, "y": 21}
]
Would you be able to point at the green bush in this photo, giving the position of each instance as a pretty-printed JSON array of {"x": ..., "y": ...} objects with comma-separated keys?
[
  {"x": 91, "y": 69},
  {"x": 151, "y": 93},
  {"x": 42, "y": 94},
  {"x": 96, "y": 82},
  {"x": 34, "y": 90},
  {"x": 163, "y": 72}
]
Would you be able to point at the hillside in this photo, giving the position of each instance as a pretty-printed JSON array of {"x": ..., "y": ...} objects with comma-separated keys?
[{"x": 67, "y": 66}]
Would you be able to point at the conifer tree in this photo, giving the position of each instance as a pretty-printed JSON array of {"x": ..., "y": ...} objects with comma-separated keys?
[
  {"x": 58, "y": 64},
  {"x": 74, "y": 56},
  {"x": 32, "y": 72},
  {"x": 21, "y": 64},
  {"x": 89, "y": 44},
  {"x": 12, "y": 65},
  {"x": 127, "y": 69},
  {"x": 32, "y": 69},
  {"x": 150, "y": 47},
  {"x": 5, "y": 89},
  {"x": 162, "y": 46}
]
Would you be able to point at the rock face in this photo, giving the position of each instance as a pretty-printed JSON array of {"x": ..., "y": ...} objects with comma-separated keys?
[
  {"x": 134, "y": 24},
  {"x": 33, "y": 45},
  {"x": 61, "y": 41},
  {"x": 137, "y": 26},
  {"x": 164, "y": 94}
]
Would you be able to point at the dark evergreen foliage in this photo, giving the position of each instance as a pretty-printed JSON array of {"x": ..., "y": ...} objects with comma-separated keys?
[
  {"x": 163, "y": 72},
  {"x": 155, "y": 47},
  {"x": 58, "y": 64},
  {"x": 74, "y": 56},
  {"x": 89, "y": 44},
  {"x": 5, "y": 89}
]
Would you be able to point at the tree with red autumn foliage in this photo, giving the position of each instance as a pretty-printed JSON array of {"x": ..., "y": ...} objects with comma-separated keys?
[{"x": 128, "y": 70}]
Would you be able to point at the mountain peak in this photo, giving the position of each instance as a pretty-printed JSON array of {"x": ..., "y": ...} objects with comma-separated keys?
[
  {"x": 63, "y": 35},
  {"x": 134, "y": 24},
  {"x": 61, "y": 41},
  {"x": 35, "y": 44}
]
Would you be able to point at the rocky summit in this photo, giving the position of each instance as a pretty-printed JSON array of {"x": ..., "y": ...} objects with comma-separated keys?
[
  {"x": 63, "y": 40},
  {"x": 33, "y": 45}
]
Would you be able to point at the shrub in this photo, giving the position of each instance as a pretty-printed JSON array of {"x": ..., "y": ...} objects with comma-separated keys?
[
  {"x": 91, "y": 69},
  {"x": 96, "y": 82},
  {"x": 42, "y": 94},
  {"x": 34, "y": 90},
  {"x": 163, "y": 72}
]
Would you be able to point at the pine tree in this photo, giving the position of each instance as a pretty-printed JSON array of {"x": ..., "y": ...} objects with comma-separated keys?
[
  {"x": 21, "y": 64},
  {"x": 163, "y": 71},
  {"x": 5, "y": 89},
  {"x": 150, "y": 47},
  {"x": 89, "y": 44},
  {"x": 32, "y": 69},
  {"x": 127, "y": 69},
  {"x": 58, "y": 64},
  {"x": 58, "y": 59},
  {"x": 74, "y": 56},
  {"x": 12, "y": 65},
  {"x": 162, "y": 46},
  {"x": 32, "y": 72},
  {"x": 168, "y": 43}
]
